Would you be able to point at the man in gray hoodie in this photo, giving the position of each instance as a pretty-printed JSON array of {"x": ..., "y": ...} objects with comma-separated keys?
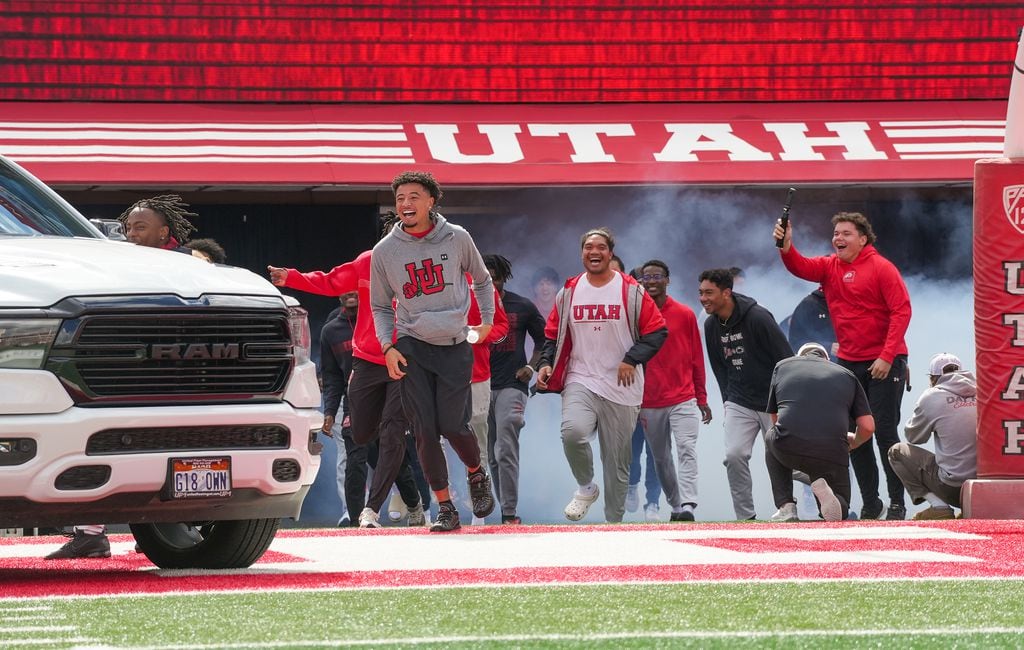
[
  {"x": 949, "y": 410},
  {"x": 420, "y": 300}
]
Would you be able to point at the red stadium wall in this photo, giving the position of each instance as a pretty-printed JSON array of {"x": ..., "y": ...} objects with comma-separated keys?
[{"x": 516, "y": 51}]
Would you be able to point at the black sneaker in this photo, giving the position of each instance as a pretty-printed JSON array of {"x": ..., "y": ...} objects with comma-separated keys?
[
  {"x": 872, "y": 511},
  {"x": 896, "y": 512},
  {"x": 81, "y": 545},
  {"x": 511, "y": 520},
  {"x": 685, "y": 515},
  {"x": 447, "y": 518},
  {"x": 480, "y": 493}
]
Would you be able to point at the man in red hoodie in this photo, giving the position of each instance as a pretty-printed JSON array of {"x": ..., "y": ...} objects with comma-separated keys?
[
  {"x": 870, "y": 310},
  {"x": 602, "y": 327}
]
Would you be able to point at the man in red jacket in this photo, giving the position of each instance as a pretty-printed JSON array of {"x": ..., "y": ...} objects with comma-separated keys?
[
  {"x": 374, "y": 399},
  {"x": 870, "y": 310},
  {"x": 675, "y": 397},
  {"x": 602, "y": 327}
]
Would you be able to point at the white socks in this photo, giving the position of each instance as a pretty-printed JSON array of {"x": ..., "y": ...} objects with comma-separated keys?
[
  {"x": 588, "y": 490},
  {"x": 934, "y": 501}
]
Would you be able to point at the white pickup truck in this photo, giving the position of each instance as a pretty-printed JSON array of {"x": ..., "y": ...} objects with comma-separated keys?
[{"x": 146, "y": 387}]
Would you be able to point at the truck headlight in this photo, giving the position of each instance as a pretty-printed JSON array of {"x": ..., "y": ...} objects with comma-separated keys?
[
  {"x": 24, "y": 341},
  {"x": 298, "y": 323}
]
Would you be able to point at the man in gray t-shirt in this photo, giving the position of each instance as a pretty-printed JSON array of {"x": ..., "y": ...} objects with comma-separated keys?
[{"x": 811, "y": 402}]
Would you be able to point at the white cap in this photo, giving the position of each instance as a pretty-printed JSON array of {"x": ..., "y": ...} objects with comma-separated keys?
[
  {"x": 808, "y": 349},
  {"x": 940, "y": 361}
]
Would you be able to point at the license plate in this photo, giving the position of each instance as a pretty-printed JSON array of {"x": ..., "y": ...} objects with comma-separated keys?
[{"x": 197, "y": 478}]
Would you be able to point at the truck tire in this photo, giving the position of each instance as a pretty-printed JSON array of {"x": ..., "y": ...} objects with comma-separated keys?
[{"x": 205, "y": 545}]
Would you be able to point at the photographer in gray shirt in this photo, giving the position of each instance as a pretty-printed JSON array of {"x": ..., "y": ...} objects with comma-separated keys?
[{"x": 949, "y": 410}]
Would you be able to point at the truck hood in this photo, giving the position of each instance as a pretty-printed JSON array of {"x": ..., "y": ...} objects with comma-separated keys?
[{"x": 41, "y": 271}]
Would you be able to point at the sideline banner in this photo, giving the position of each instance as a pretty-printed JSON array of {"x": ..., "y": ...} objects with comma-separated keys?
[
  {"x": 119, "y": 144},
  {"x": 999, "y": 316}
]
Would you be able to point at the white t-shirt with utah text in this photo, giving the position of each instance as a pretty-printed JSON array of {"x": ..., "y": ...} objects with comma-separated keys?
[{"x": 600, "y": 339}]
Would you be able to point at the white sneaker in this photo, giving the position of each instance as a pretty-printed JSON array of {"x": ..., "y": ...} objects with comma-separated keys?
[
  {"x": 580, "y": 504},
  {"x": 831, "y": 509},
  {"x": 369, "y": 519},
  {"x": 785, "y": 513},
  {"x": 651, "y": 514},
  {"x": 633, "y": 498},
  {"x": 396, "y": 507},
  {"x": 416, "y": 516}
]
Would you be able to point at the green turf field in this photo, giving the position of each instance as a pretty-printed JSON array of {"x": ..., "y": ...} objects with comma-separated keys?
[{"x": 880, "y": 614}]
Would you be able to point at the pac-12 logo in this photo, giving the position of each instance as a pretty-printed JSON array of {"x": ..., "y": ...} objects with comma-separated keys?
[
  {"x": 424, "y": 281},
  {"x": 1013, "y": 204}
]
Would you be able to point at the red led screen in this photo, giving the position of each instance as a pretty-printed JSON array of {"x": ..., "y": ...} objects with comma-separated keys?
[{"x": 515, "y": 51}]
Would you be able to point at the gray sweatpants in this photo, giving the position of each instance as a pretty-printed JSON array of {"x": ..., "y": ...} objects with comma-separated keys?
[
  {"x": 507, "y": 418},
  {"x": 480, "y": 399},
  {"x": 741, "y": 428},
  {"x": 584, "y": 411},
  {"x": 661, "y": 425}
]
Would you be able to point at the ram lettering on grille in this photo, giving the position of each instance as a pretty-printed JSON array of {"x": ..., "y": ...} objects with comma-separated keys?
[{"x": 193, "y": 351}]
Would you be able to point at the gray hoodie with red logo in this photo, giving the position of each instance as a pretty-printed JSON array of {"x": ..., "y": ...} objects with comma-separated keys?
[
  {"x": 949, "y": 410},
  {"x": 424, "y": 279}
]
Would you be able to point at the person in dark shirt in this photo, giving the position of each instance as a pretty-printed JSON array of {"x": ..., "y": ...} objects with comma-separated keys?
[
  {"x": 207, "y": 249},
  {"x": 811, "y": 403},
  {"x": 744, "y": 343},
  {"x": 335, "y": 368},
  {"x": 510, "y": 380},
  {"x": 811, "y": 323}
]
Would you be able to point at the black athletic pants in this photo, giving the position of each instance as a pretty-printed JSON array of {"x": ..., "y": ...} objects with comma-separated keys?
[
  {"x": 375, "y": 408},
  {"x": 782, "y": 459},
  {"x": 436, "y": 396},
  {"x": 884, "y": 396}
]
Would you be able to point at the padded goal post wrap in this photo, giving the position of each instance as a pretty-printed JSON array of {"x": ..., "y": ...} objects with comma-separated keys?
[{"x": 999, "y": 315}]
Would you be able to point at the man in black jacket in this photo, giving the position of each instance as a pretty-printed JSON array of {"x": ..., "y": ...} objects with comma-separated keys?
[
  {"x": 744, "y": 343},
  {"x": 510, "y": 379},
  {"x": 335, "y": 367}
]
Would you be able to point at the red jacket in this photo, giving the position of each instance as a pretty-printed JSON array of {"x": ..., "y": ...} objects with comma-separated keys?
[
  {"x": 351, "y": 276},
  {"x": 676, "y": 373},
  {"x": 867, "y": 299},
  {"x": 645, "y": 324},
  {"x": 499, "y": 330}
]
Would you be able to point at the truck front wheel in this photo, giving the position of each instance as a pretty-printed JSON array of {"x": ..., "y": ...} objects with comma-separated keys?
[{"x": 205, "y": 545}]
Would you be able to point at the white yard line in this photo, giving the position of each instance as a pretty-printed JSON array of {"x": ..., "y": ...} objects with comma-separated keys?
[
  {"x": 18, "y": 629},
  {"x": 62, "y": 641}
]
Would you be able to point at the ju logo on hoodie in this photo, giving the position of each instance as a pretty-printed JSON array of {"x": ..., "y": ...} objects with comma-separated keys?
[{"x": 423, "y": 281}]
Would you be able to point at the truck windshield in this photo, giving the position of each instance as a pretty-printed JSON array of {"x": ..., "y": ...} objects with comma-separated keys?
[{"x": 30, "y": 209}]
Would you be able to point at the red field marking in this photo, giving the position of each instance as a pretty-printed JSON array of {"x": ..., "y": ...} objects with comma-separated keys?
[{"x": 994, "y": 553}]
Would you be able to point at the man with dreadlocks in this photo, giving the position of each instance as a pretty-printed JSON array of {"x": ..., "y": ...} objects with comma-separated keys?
[
  {"x": 159, "y": 222},
  {"x": 510, "y": 380},
  {"x": 373, "y": 397},
  {"x": 418, "y": 289}
]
